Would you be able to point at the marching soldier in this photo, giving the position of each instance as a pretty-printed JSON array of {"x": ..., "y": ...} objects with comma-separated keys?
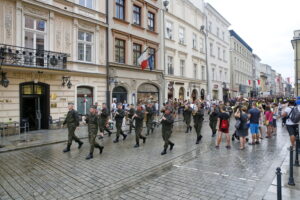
[
  {"x": 213, "y": 119},
  {"x": 167, "y": 126},
  {"x": 150, "y": 116},
  {"x": 72, "y": 121},
  {"x": 119, "y": 116},
  {"x": 187, "y": 116},
  {"x": 104, "y": 115},
  {"x": 92, "y": 121},
  {"x": 139, "y": 119},
  {"x": 198, "y": 121},
  {"x": 130, "y": 116}
]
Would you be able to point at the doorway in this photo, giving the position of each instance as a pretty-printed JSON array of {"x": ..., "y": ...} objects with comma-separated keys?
[
  {"x": 119, "y": 94},
  {"x": 34, "y": 105}
]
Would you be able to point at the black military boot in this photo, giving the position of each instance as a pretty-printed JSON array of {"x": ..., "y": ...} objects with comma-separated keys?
[
  {"x": 171, "y": 146},
  {"x": 191, "y": 128},
  {"x": 67, "y": 149},
  {"x": 116, "y": 140},
  {"x": 101, "y": 149},
  {"x": 187, "y": 130},
  {"x": 199, "y": 139},
  {"x": 152, "y": 130},
  {"x": 80, "y": 144},
  {"x": 124, "y": 136},
  {"x": 163, "y": 152},
  {"x": 109, "y": 133},
  {"x": 136, "y": 146},
  {"x": 90, "y": 156},
  {"x": 148, "y": 132},
  {"x": 144, "y": 140}
]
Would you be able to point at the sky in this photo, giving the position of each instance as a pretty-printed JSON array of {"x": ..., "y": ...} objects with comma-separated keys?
[{"x": 267, "y": 26}]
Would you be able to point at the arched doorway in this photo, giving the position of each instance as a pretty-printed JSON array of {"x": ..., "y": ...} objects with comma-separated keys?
[
  {"x": 84, "y": 99},
  {"x": 194, "y": 94},
  {"x": 35, "y": 104},
  {"x": 181, "y": 94},
  {"x": 147, "y": 92},
  {"x": 119, "y": 94},
  {"x": 202, "y": 94}
]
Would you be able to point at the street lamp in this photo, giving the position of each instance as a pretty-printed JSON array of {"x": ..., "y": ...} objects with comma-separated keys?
[
  {"x": 4, "y": 80},
  {"x": 166, "y": 3}
]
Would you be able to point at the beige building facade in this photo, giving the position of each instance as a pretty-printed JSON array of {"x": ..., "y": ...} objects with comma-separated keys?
[
  {"x": 52, "y": 52},
  {"x": 185, "y": 59},
  {"x": 135, "y": 27},
  {"x": 296, "y": 47}
]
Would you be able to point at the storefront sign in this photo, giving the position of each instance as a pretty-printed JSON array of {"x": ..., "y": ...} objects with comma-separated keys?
[{"x": 53, "y": 96}]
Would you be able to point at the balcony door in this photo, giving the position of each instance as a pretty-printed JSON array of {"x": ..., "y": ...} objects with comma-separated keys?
[{"x": 35, "y": 40}]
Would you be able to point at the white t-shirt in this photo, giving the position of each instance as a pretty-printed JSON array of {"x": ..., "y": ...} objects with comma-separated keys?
[{"x": 288, "y": 110}]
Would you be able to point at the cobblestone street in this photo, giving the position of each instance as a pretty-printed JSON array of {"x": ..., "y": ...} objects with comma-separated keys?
[{"x": 189, "y": 172}]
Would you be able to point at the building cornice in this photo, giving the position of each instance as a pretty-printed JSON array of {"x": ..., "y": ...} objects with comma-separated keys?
[{"x": 133, "y": 68}]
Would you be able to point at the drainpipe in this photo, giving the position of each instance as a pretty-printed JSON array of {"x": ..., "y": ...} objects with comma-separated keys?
[
  {"x": 107, "y": 58},
  {"x": 206, "y": 55}
]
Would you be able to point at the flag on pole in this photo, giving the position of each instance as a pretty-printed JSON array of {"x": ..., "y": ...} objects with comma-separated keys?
[
  {"x": 143, "y": 59},
  {"x": 258, "y": 82},
  {"x": 249, "y": 82}
]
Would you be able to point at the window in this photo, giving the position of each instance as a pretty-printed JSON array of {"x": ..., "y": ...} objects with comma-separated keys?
[
  {"x": 211, "y": 49},
  {"x": 151, "y": 21},
  {"x": 220, "y": 75},
  {"x": 223, "y": 35},
  {"x": 86, "y": 3},
  {"x": 225, "y": 78},
  {"x": 218, "y": 32},
  {"x": 120, "y": 51},
  {"x": 224, "y": 55},
  {"x": 152, "y": 53},
  {"x": 169, "y": 30},
  {"x": 201, "y": 45},
  {"x": 209, "y": 26},
  {"x": 35, "y": 33},
  {"x": 203, "y": 73},
  {"x": 194, "y": 41},
  {"x": 195, "y": 71},
  {"x": 120, "y": 9},
  {"x": 170, "y": 65},
  {"x": 182, "y": 66},
  {"x": 136, "y": 15},
  {"x": 219, "y": 52},
  {"x": 85, "y": 41},
  {"x": 213, "y": 74},
  {"x": 137, "y": 51},
  {"x": 181, "y": 35}
]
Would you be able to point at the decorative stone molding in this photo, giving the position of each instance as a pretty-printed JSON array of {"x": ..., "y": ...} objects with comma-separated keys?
[
  {"x": 8, "y": 23},
  {"x": 37, "y": 12}
]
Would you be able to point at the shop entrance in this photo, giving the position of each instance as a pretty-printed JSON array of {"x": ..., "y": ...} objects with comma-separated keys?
[{"x": 34, "y": 105}]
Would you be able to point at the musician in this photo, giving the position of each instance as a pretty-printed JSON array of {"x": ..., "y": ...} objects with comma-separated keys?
[
  {"x": 119, "y": 116},
  {"x": 139, "y": 119},
  {"x": 198, "y": 115},
  {"x": 104, "y": 115},
  {"x": 187, "y": 116},
  {"x": 150, "y": 117},
  {"x": 167, "y": 125}
]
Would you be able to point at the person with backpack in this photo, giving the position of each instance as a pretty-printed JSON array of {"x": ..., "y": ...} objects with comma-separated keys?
[
  {"x": 241, "y": 125},
  {"x": 254, "y": 116},
  {"x": 292, "y": 123},
  {"x": 213, "y": 119},
  {"x": 223, "y": 127}
]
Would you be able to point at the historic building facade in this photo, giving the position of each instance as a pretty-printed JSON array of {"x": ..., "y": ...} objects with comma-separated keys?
[
  {"x": 185, "y": 60},
  {"x": 51, "y": 53},
  {"x": 218, "y": 44},
  {"x": 241, "y": 66},
  {"x": 135, "y": 27}
]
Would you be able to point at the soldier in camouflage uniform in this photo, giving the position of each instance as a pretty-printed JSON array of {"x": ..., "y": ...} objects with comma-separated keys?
[
  {"x": 187, "y": 116},
  {"x": 139, "y": 120},
  {"x": 167, "y": 126},
  {"x": 150, "y": 116},
  {"x": 130, "y": 116},
  {"x": 93, "y": 122},
  {"x": 213, "y": 119},
  {"x": 72, "y": 121},
  {"x": 104, "y": 119},
  {"x": 198, "y": 121},
  {"x": 119, "y": 116}
]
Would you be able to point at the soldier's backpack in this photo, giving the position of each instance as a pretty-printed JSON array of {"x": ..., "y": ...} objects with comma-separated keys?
[{"x": 295, "y": 115}]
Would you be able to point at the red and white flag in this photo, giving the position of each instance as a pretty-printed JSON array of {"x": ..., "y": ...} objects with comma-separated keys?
[
  {"x": 143, "y": 59},
  {"x": 258, "y": 82}
]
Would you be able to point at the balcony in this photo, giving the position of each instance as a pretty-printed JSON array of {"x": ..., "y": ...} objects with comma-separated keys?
[{"x": 33, "y": 58}]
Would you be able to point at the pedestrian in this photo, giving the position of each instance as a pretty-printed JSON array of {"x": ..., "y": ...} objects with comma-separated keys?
[
  {"x": 292, "y": 128},
  {"x": 213, "y": 119},
  {"x": 150, "y": 117},
  {"x": 269, "y": 121},
  {"x": 119, "y": 116},
  {"x": 198, "y": 115},
  {"x": 261, "y": 122},
  {"x": 72, "y": 121},
  {"x": 187, "y": 117},
  {"x": 254, "y": 116},
  {"x": 92, "y": 122},
  {"x": 275, "y": 117},
  {"x": 242, "y": 128},
  {"x": 104, "y": 116},
  {"x": 139, "y": 120},
  {"x": 167, "y": 122},
  {"x": 223, "y": 123}
]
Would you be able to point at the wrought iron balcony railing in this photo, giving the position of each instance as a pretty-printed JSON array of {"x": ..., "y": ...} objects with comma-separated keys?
[{"x": 27, "y": 57}]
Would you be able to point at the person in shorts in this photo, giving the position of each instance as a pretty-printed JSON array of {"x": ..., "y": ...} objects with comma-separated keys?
[
  {"x": 223, "y": 125},
  {"x": 254, "y": 116}
]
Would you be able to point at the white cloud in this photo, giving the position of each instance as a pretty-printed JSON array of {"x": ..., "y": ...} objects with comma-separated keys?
[{"x": 267, "y": 26}]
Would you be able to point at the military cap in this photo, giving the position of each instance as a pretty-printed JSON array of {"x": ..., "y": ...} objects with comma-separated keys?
[
  {"x": 93, "y": 106},
  {"x": 70, "y": 103}
]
